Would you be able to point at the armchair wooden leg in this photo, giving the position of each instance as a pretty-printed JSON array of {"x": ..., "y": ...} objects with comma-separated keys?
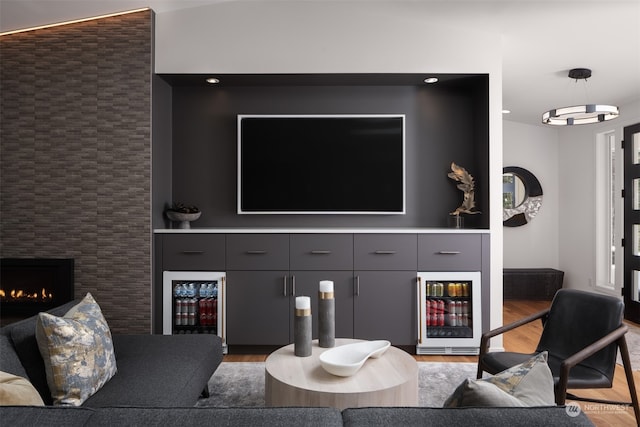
[
  {"x": 480, "y": 371},
  {"x": 561, "y": 395},
  {"x": 484, "y": 348},
  {"x": 626, "y": 362},
  {"x": 561, "y": 387}
]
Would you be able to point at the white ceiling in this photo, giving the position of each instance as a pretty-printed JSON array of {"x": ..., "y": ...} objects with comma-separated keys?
[{"x": 542, "y": 40}]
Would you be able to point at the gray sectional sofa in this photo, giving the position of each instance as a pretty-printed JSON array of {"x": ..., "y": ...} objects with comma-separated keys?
[
  {"x": 153, "y": 370},
  {"x": 294, "y": 417},
  {"x": 160, "y": 378}
]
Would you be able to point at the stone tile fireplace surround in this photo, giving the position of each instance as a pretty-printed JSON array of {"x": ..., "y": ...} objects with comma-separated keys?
[{"x": 75, "y": 157}]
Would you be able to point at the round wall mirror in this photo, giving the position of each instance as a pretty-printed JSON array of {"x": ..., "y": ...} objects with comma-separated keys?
[{"x": 521, "y": 196}]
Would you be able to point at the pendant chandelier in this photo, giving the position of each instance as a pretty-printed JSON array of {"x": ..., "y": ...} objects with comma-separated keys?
[{"x": 580, "y": 114}]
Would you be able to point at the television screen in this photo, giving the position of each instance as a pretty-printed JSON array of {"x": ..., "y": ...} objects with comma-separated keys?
[{"x": 321, "y": 164}]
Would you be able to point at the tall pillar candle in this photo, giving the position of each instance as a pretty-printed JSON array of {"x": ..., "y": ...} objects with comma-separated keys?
[
  {"x": 302, "y": 327},
  {"x": 326, "y": 315}
]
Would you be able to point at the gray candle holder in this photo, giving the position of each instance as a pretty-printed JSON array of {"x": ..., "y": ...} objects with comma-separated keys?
[
  {"x": 326, "y": 320},
  {"x": 302, "y": 333}
]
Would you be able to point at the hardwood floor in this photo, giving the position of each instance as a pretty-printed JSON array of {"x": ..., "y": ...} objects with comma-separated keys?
[{"x": 524, "y": 340}]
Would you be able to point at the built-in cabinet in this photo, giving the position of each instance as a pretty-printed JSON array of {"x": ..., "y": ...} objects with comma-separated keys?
[
  {"x": 258, "y": 267},
  {"x": 374, "y": 275},
  {"x": 258, "y": 307},
  {"x": 316, "y": 257},
  {"x": 384, "y": 306},
  {"x": 385, "y": 268}
]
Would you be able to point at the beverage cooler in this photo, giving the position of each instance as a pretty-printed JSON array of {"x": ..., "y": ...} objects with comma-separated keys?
[
  {"x": 449, "y": 313},
  {"x": 193, "y": 302}
]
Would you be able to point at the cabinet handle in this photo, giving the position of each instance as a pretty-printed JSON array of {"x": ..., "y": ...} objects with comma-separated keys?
[
  {"x": 317, "y": 252},
  {"x": 449, "y": 252},
  {"x": 357, "y": 286},
  {"x": 420, "y": 305},
  {"x": 293, "y": 286},
  {"x": 384, "y": 252},
  {"x": 256, "y": 252},
  {"x": 222, "y": 297},
  {"x": 192, "y": 252},
  {"x": 284, "y": 286}
]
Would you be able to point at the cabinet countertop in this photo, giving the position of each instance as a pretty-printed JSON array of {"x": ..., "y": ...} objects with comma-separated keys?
[{"x": 323, "y": 230}]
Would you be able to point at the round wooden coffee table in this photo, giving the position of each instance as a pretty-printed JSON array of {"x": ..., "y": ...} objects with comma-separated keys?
[{"x": 391, "y": 380}]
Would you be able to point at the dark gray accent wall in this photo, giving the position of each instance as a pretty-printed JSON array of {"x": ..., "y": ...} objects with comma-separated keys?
[
  {"x": 75, "y": 157},
  {"x": 446, "y": 122},
  {"x": 162, "y": 147}
]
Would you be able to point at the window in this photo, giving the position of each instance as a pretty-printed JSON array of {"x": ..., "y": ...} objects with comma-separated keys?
[{"x": 607, "y": 199}]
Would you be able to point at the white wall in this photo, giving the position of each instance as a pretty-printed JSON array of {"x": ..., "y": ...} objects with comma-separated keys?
[
  {"x": 563, "y": 159},
  {"x": 577, "y": 220},
  {"x": 320, "y": 37},
  {"x": 534, "y": 148}
]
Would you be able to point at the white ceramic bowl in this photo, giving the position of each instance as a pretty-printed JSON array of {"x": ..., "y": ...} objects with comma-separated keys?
[{"x": 346, "y": 360}]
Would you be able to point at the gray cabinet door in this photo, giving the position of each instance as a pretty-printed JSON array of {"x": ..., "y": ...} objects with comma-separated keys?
[
  {"x": 385, "y": 306},
  {"x": 257, "y": 252},
  {"x": 450, "y": 252},
  {"x": 321, "y": 252},
  {"x": 193, "y": 252},
  {"x": 307, "y": 283},
  {"x": 385, "y": 252},
  {"x": 258, "y": 308}
]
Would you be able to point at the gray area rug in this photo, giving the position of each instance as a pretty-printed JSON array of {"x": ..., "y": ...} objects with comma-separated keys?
[
  {"x": 237, "y": 384},
  {"x": 241, "y": 384},
  {"x": 633, "y": 343}
]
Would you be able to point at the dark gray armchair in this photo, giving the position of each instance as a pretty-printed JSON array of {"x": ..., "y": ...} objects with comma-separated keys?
[{"x": 582, "y": 333}]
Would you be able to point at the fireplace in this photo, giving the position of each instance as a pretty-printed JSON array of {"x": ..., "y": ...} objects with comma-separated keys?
[{"x": 31, "y": 285}]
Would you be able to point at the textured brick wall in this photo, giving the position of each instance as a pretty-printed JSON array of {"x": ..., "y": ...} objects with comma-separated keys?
[{"x": 75, "y": 157}]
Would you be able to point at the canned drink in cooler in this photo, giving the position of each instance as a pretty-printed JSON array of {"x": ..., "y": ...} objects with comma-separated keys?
[
  {"x": 465, "y": 320},
  {"x": 450, "y": 319},
  {"x": 180, "y": 309},
  {"x": 451, "y": 306}
]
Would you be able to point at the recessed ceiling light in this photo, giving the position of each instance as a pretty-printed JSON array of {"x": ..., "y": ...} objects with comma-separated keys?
[
  {"x": 213, "y": 80},
  {"x": 431, "y": 80},
  {"x": 506, "y": 111}
]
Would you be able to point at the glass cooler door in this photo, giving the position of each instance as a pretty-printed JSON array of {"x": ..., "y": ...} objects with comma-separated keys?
[
  {"x": 194, "y": 303},
  {"x": 449, "y": 313}
]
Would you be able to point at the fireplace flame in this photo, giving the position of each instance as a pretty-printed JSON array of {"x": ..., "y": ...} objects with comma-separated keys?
[{"x": 21, "y": 295}]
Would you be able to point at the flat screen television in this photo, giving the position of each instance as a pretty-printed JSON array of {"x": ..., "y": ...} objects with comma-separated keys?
[{"x": 321, "y": 164}]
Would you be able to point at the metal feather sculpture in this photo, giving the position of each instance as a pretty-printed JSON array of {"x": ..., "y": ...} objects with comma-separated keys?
[{"x": 466, "y": 185}]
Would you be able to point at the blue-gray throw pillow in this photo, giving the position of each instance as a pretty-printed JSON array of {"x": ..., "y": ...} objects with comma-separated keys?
[{"x": 77, "y": 350}]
